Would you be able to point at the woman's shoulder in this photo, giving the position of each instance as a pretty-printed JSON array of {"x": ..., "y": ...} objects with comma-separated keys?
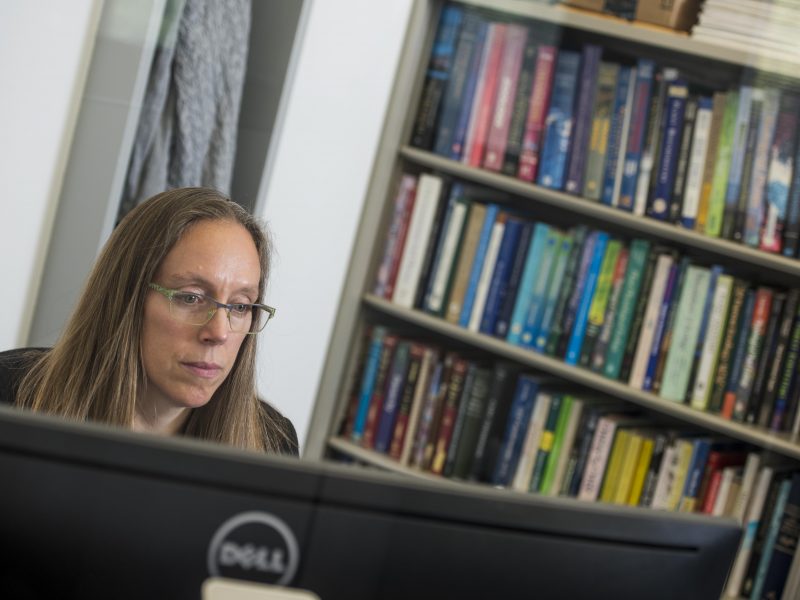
[
  {"x": 13, "y": 366},
  {"x": 288, "y": 443}
]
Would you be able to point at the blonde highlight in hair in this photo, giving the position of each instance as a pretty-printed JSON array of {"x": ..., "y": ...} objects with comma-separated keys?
[{"x": 95, "y": 371}]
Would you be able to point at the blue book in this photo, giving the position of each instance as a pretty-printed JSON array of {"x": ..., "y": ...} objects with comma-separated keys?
[
  {"x": 456, "y": 149},
  {"x": 645, "y": 72},
  {"x": 618, "y": 110},
  {"x": 368, "y": 378},
  {"x": 558, "y": 123},
  {"x": 670, "y": 297},
  {"x": 441, "y": 60},
  {"x": 579, "y": 327},
  {"x": 582, "y": 122},
  {"x": 533, "y": 319},
  {"x": 677, "y": 96},
  {"x": 733, "y": 188},
  {"x": 772, "y": 536},
  {"x": 501, "y": 275},
  {"x": 566, "y": 244},
  {"x": 394, "y": 391},
  {"x": 523, "y": 299},
  {"x": 740, "y": 348},
  {"x": 574, "y": 300},
  {"x": 777, "y": 571},
  {"x": 510, "y": 295},
  {"x": 469, "y": 44},
  {"x": 477, "y": 264},
  {"x": 519, "y": 415},
  {"x": 700, "y": 449}
]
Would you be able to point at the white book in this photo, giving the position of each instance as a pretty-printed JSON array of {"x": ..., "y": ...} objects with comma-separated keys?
[
  {"x": 417, "y": 239},
  {"x": 749, "y": 535},
  {"x": 640, "y": 358},
  {"x": 477, "y": 98},
  {"x": 530, "y": 446},
  {"x": 485, "y": 279},
  {"x": 749, "y": 473},
  {"x": 598, "y": 457},
  {"x": 666, "y": 475},
  {"x": 711, "y": 345},
  {"x": 697, "y": 161},
  {"x": 429, "y": 357},
  {"x": 447, "y": 256},
  {"x": 623, "y": 138},
  {"x": 570, "y": 431},
  {"x": 721, "y": 501}
]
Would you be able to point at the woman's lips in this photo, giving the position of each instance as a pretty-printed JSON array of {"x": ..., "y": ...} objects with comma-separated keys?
[{"x": 203, "y": 369}]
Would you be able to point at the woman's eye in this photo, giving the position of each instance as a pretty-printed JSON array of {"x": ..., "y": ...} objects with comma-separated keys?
[
  {"x": 240, "y": 309},
  {"x": 189, "y": 298}
]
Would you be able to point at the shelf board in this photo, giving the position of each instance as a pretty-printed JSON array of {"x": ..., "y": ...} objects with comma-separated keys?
[
  {"x": 651, "y": 35},
  {"x": 780, "y": 443},
  {"x": 666, "y": 232}
]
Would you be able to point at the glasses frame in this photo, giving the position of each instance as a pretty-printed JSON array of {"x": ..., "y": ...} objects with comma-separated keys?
[{"x": 169, "y": 294}]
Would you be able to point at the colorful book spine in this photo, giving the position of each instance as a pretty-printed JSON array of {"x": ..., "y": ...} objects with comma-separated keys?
[
  {"x": 682, "y": 167},
  {"x": 501, "y": 274},
  {"x": 519, "y": 112},
  {"x": 436, "y": 77},
  {"x": 454, "y": 444},
  {"x": 727, "y": 345},
  {"x": 447, "y": 251},
  {"x": 719, "y": 101},
  {"x": 509, "y": 294},
  {"x": 661, "y": 329},
  {"x": 397, "y": 436},
  {"x": 791, "y": 230},
  {"x": 737, "y": 357},
  {"x": 395, "y": 238},
  {"x": 722, "y": 165},
  {"x": 558, "y": 125},
  {"x": 758, "y": 177},
  {"x": 645, "y": 73},
  {"x": 478, "y": 260},
  {"x": 518, "y": 417},
  {"x": 563, "y": 437},
  {"x": 617, "y": 135},
  {"x": 599, "y": 352},
  {"x": 741, "y": 129},
  {"x": 785, "y": 544},
  {"x": 449, "y": 413},
  {"x": 755, "y": 344},
  {"x": 368, "y": 378},
  {"x": 546, "y": 443},
  {"x": 701, "y": 447},
  {"x": 558, "y": 275},
  {"x": 534, "y": 430},
  {"x": 430, "y": 358},
  {"x": 541, "y": 285},
  {"x": 602, "y": 116},
  {"x": 535, "y": 249},
  {"x": 777, "y": 357},
  {"x": 599, "y": 301},
  {"x": 582, "y": 118},
  {"x": 537, "y": 113},
  {"x": 773, "y": 528},
  {"x": 697, "y": 159},
  {"x": 485, "y": 278},
  {"x": 394, "y": 391},
  {"x": 677, "y": 96},
  {"x": 465, "y": 261},
  {"x": 578, "y": 291},
  {"x": 785, "y": 384}
]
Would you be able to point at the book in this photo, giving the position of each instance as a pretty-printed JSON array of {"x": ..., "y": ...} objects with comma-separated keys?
[
  {"x": 660, "y": 444},
  {"x": 719, "y": 458},
  {"x": 534, "y": 430},
  {"x": 477, "y": 265},
  {"x": 715, "y": 330},
  {"x": 485, "y": 94},
  {"x": 744, "y": 133},
  {"x": 541, "y": 286},
  {"x": 431, "y": 418},
  {"x": 718, "y": 109},
  {"x": 749, "y": 478},
  {"x": 463, "y": 264},
  {"x": 522, "y": 302},
  {"x": 437, "y": 232},
  {"x": 701, "y": 447},
  {"x": 460, "y": 418},
  {"x": 779, "y": 173},
  {"x": 395, "y": 237},
  {"x": 682, "y": 166},
  {"x": 569, "y": 281},
  {"x": 547, "y": 440},
  {"x": 665, "y": 480},
  {"x": 539, "y": 104},
  {"x": 508, "y": 79},
  {"x": 474, "y": 413},
  {"x": 449, "y": 412},
  {"x": 555, "y": 285},
  {"x": 397, "y": 437},
  {"x": 439, "y": 66},
  {"x": 634, "y": 144},
  {"x": 468, "y": 50},
  {"x": 527, "y": 388},
  {"x": 559, "y": 121},
  {"x": 428, "y": 366},
  {"x": 395, "y": 385},
  {"x": 701, "y": 136},
  {"x": 599, "y": 302},
  {"x": 521, "y": 103},
  {"x": 509, "y": 293},
  {"x": 618, "y": 135},
  {"x": 616, "y": 457},
  {"x": 728, "y": 344},
  {"x": 641, "y": 469},
  {"x": 628, "y": 352},
  {"x": 501, "y": 273},
  {"x": 628, "y": 467},
  {"x": 687, "y": 329},
  {"x": 600, "y": 346},
  {"x": 582, "y": 118},
  {"x": 446, "y": 251},
  {"x": 596, "y": 462},
  {"x": 488, "y": 267},
  {"x": 755, "y": 343},
  {"x": 785, "y": 546},
  {"x": 723, "y": 486},
  {"x": 490, "y": 434},
  {"x": 563, "y": 438},
  {"x": 737, "y": 357},
  {"x": 722, "y": 165},
  {"x": 583, "y": 285},
  {"x": 791, "y": 229},
  {"x": 784, "y": 383},
  {"x": 587, "y": 429},
  {"x": 677, "y": 96},
  {"x": 662, "y": 340},
  {"x": 601, "y": 118},
  {"x": 766, "y": 357},
  {"x": 417, "y": 239},
  {"x": 708, "y": 303},
  {"x": 367, "y": 386}
]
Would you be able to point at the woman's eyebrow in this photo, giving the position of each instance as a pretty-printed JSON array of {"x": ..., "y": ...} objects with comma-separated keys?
[{"x": 192, "y": 278}]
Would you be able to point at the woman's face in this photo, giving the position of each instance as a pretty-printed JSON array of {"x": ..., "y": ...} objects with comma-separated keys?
[{"x": 184, "y": 363}]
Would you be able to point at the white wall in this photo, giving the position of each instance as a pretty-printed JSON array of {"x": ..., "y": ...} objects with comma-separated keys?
[
  {"x": 44, "y": 51},
  {"x": 315, "y": 182}
]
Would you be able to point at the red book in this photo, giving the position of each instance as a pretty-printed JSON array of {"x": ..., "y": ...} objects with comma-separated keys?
[
  {"x": 449, "y": 412},
  {"x": 379, "y": 391},
  {"x": 486, "y": 92},
  {"x": 534, "y": 125},
  {"x": 712, "y": 476},
  {"x": 396, "y": 238},
  {"x": 511, "y": 63}
]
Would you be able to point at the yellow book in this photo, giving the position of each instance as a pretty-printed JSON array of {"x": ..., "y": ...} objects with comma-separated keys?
[
  {"x": 637, "y": 485},
  {"x": 629, "y": 462},
  {"x": 614, "y": 465},
  {"x": 685, "y": 449}
]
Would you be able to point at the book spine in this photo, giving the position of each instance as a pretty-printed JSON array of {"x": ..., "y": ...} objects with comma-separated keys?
[
  {"x": 394, "y": 392},
  {"x": 569, "y": 281},
  {"x": 738, "y": 355},
  {"x": 510, "y": 65},
  {"x": 599, "y": 351},
  {"x": 509, "y": 298},
  {"x": 785, "y": 546},
  {"x": 687, "y": 134},
  {"x": 598, "y": 456},
  {"x": 735, "y": 226},
  {"x": 634, "y": 143},
  {"x": 578, "y": 289},
  {"x": 489, "y": 263},
  {"x": 722, "y": 165},
  {"x": 548, "y": 257},
  {"x": 697, "y": 160},
  {"x": 398, "y": 433},
  {"x": 554, "y": 287},
  {"x": 523, "y": 473},
  {"x": 369, "y": 376},
  {"x": 455, "y": 385},
  {"x": 620, "y": 118},
  {"x": 436, "y": 78},
  {"x": 427, "y": 366},
  {"x": 776, "y": 358},
  {"x": 396, "y": 237},
  {"x": 637, "y": 318},
  {"x": 445, "y": 255},
  {"x": 766, "y": 356},
  {"x": 455, "y": 151},
  {"x": 515, "y": 430},
  {"x": 519, "y": 113},
  {"x": 437, "y": 230},
  {"x": 779, "y": 412},
  {"x": 755, "y": 343},
  {"x": 758, "y": 178},
  {"x": 536, "y": 247},
  {"x": 697, "y": 466},
  {"x": 458, "y": 423},
  {"x": 476, "y": 268},
  {"x": 677, "y": 96},
  {"x": 546, "y": 444},
  {"x": 641, "y": 470},
  {"x": 727, "y": 345},
  {"x": 466, "y": 258},
  {"x": 500, "y": 275},
  {"x": 489, "y": 49},
  {"x": 601, "y": 118},
  {"x": 539, "y": 104},
  {"x": 791, "y": 230},
  {"x": 562, "y": 443},
  {"x": 582, "y": 119},
  {"x": 586, "y": 432},
  {"x": 559, "y": 122},
  {"x": 661, "y": 330},
  {"x": 741, "y": 131},
  {"x": 599, "y": 303},
  {"x": 473, "y": 415}
]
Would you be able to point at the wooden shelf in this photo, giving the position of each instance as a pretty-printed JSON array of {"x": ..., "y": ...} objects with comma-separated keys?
[
  {"x": 651, "y": 35},
  {"x": 779, "y": 443},
  {"x": 725, "y": 250}
]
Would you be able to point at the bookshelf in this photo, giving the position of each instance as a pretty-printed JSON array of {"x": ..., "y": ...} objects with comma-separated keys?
[{"x": 360, "y": 308}]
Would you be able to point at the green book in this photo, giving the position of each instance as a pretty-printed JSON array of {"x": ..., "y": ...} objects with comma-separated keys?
[
  {"x": 475, "y": 409},
  {"x": 558, "y": 444},
  {"x": 567, "y": 284},
  {"x": 597, "y": 309},
  {"x": 719, "y": 186},
  {"x": 686, "y": 330},
  {"x": 546, "y": 443},
  {"x": 639, "y": 252}
]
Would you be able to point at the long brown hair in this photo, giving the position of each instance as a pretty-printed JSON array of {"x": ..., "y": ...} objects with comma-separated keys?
[{"x": 94, "y": 371}]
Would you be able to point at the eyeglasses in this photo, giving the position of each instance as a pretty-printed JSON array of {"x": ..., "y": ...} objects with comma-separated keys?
[{"x": 199, "y": 309}]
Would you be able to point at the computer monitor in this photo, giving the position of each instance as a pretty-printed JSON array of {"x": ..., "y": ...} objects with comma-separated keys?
[{"x": 92, "y": 512}]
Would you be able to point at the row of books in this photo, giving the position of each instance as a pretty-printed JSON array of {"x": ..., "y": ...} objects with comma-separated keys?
[
  {"x": 627, "y": 309},
  {"x": 634, "y": 136},
  {"x": 447, "y": 414}
]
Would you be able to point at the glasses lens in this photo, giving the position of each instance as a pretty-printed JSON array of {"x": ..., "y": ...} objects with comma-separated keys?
[
  {"x": 194, "y": 309},
  {"x": 240, "y": 316}
]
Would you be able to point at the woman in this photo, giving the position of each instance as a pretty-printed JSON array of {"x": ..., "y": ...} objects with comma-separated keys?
[{"x": 163, "y": 338}]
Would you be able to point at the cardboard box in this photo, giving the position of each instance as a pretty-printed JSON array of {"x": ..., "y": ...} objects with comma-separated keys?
[{"x": 675, "y": 14}]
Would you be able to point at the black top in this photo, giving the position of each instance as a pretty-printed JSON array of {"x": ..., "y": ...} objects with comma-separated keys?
[{"x": 15, "y": 363}]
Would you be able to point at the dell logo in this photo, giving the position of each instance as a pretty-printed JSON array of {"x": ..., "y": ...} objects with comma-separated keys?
[{"x": 256, "y": 546}]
